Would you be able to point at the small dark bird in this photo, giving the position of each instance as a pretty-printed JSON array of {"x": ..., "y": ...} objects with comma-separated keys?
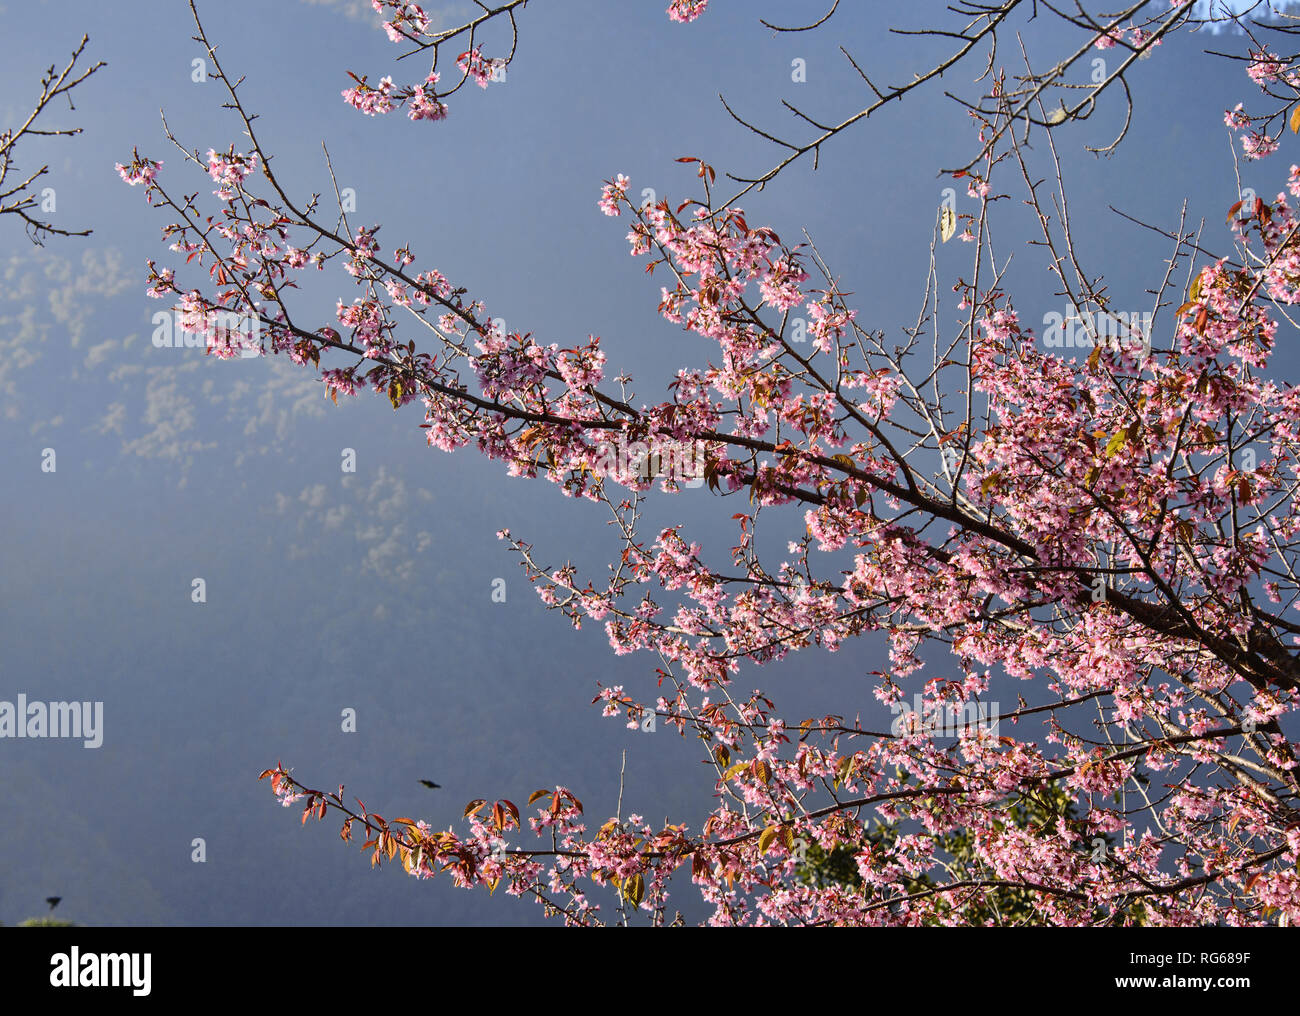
[
  {"x": 431, "y": 785},
  {"x": 53, "y": 901}
]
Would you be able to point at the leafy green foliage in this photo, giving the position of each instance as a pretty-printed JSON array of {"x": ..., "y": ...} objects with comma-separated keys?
[{"x": 955, "y": 852}]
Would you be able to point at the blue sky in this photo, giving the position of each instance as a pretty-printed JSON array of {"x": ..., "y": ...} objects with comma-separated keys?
[{"x": 372, "y": 590}]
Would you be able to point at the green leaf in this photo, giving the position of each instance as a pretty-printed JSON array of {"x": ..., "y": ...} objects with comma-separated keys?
[
  {"x": 735, "y": 770},
  {"x": 634, "y": 890}
]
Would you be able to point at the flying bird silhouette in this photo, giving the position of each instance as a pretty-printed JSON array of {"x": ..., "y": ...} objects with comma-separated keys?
[
  {"x": 53, "y": 901},
  {"x": 431, "y": 785}
]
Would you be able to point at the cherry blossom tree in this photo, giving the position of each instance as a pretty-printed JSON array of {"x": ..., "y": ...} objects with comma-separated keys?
[{"x": 1117, "y": 532}]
